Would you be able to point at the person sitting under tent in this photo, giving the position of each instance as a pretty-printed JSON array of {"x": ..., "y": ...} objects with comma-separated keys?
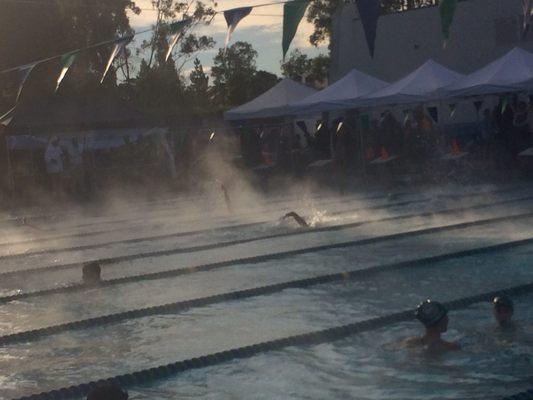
[
  {"x": 434, "y": 316},
  {"x": 53, "y": 157},
  {"x": 91, "y": 273},
  {"x": 300, "y": 220}
]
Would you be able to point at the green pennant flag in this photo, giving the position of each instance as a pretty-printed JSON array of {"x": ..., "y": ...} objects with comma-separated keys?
[
  {"x": 447, "y": 11},
  {"x": 66, "y": 62},
  {"x": 176, "y": 29},
  {"x": 293, "y": 12}
]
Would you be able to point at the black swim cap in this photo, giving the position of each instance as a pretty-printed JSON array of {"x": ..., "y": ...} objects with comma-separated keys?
[
  {"x": 503, "y": 301},
  {"x": 430, "y": 312}
]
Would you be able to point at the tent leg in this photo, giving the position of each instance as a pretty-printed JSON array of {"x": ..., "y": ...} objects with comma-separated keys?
[{"x": 10, "y": 173}]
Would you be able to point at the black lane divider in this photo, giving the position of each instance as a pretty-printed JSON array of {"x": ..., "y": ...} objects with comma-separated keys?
[
  {"x": 521, "y": 396},
  {"x": 265, "y": 257},
  {"x": 234, "y": 227},
  {"x": 162, "y": 214},
  {"x": 292, "y": 233},
  {"x": 237, "y": 226},
  {"x": 175, "y": 307},
  {"x": 93, "y": 233},
  {"x": 150, "y": 375}
]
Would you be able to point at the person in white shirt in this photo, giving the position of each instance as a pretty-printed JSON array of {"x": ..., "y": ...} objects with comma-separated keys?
[{"x": 53, "y": 157}]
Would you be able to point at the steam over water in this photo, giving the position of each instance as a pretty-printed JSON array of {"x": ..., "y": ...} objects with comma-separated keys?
[{"x": 184, "y": 233}]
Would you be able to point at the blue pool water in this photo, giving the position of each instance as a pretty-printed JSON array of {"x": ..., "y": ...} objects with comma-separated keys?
[{"x": 365, "y": 366}]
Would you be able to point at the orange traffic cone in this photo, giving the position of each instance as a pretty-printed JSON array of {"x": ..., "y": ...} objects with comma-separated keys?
[
  {"x": 456, "y": 150},
  {"x": 384, "y": 153}
]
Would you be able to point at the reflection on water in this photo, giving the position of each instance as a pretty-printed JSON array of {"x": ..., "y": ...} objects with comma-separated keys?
[{"x": 367, "y": 366}]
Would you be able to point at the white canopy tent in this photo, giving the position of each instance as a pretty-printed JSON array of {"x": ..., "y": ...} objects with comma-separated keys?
[
  {"x": 272, "y": 103},
  {"x": 353, "y": 85},
  {"x": 413, "y": 88},
  {"x": 512, "y": 72}
]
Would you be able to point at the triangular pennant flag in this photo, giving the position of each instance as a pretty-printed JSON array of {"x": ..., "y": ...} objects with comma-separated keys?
[
  {"x": 120, "y": 44},
  {"x": 293, "y": 12},
  {"x": 7, "y": 117},
  {"x": 369, "y": 14},
  {"x": 478, "y": 105},
  {"x": 453, "y": 107},
  {"x": 23, "y": 74},
  {"x": 528, "y": 11},
  {"x": 434, "y": 113},
  {"x": 447, "y": 11},
  {"x": 176, "y": 29},
  {"x": 233, "y": 17},
  {"x": 66, "y": 62}
]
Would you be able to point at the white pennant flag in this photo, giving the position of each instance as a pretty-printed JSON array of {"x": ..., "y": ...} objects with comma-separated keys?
[
  {"x": 120, "y": 45},
  {"x": 233, "y": 17},
  {"x": 24, "y": 72},
  {"x": 176, "y": 28},
  {"x": 7, "y": 117},
  {"x": 66, "y": 62}
]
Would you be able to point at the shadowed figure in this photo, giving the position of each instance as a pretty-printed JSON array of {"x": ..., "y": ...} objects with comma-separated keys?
[
  {"x": 302, "y": 222},
  {"x": 503, "y": 309}
]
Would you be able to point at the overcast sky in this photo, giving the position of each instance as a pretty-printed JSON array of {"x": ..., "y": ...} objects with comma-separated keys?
[{"x": 262, "y": 28}]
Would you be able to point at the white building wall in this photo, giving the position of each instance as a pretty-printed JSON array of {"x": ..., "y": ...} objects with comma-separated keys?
[{"x": 482, "y": 31}]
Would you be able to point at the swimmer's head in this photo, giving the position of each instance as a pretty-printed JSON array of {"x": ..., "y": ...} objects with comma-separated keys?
[
  {"x": 432, "y": 314},
  {"x": 503, "y": 309},
  {"x": 107, "y": 392},
  {"x": 91, "y": 272}
]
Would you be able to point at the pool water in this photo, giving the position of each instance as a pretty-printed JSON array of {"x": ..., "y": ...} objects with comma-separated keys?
[{"x": 363, "y": 366}]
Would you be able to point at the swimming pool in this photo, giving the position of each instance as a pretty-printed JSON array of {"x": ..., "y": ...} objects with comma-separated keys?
[{"x": 364, "y": 366}]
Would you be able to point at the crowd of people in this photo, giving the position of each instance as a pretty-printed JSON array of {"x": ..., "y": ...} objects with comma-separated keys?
[{"x": 416, "y": 140}]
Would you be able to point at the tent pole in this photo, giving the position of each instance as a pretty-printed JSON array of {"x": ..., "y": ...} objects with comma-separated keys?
[{"x": 10, "y": 174}]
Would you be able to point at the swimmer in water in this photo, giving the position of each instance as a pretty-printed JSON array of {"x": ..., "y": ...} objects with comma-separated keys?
[
  {"x": 91, "y": 272},
  {"x": 302, "y": 222},
  {"x": 503, "y": 310},
  {"x": 434, "y": 316}
]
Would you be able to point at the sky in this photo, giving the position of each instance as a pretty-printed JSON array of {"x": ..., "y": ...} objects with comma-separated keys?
[{"x": 262, "y": 28}]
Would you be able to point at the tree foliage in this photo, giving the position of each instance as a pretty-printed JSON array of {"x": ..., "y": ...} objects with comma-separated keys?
[
  {"x": 300, "y": 67},
  {"x": 34, "y": 31}
]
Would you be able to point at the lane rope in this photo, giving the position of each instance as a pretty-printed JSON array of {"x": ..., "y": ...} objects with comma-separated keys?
[
  {"x": 259, "y": 258},
  {"x": 93, "y": 233},
  {"x": 151, "y": 375},
  {"x": 247, "y": 293}
]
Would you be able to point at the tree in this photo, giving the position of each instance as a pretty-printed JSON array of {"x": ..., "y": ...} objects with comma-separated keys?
[
  {"x": 199, "y": 87},
  {"x": 321, "y": 12},
  {"x": 233, "y": 71},
  {"x": 261, "y": 82},
  {"x": 31, "y": 31},
  {"x": 197, "y": 11},
  {"x": 300, "y": 67}
]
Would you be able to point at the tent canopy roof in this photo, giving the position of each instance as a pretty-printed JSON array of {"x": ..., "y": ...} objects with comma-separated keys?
[
  {"x": 353, "y": 85},
  {"x": 273, "y": 102},
  {"x": 510, "y": 72},
  {"x": 412, "y": 88}
]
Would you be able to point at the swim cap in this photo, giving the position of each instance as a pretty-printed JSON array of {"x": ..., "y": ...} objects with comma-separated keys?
[
  {"x": 430, "y": 312},
  {"x": 503, "y": 301}
]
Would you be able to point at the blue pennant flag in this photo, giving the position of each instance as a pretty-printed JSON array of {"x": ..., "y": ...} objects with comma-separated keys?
[{"x": 369, "y": 14}]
